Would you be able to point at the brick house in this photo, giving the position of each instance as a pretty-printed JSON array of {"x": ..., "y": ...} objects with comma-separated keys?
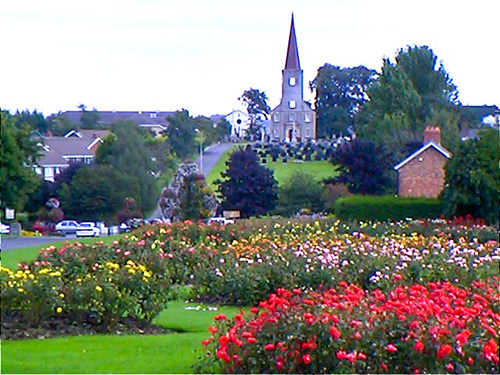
[{"x": 422, "y": 174}]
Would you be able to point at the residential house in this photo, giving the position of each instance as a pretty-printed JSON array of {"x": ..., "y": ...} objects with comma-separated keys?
[
  {"x": 239, "y": 121},
  {"x": 292, "y": 120},
  {"x": 156, "y": 121},
  {"x": 483, "y": 116},
  {"x": 422, "y": 174},
  {"x": 59, "y": 152}
]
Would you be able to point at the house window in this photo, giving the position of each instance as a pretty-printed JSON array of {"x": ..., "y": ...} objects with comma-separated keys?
[
  {"x": 291, "y": 117},
  {"x": 307, "y": 117},
  {"x": 152, "y": 115},
  {"x": 277, "y": 117},
  {"x": 292, "y": 81},
  {"x": 292, "y": 104}
]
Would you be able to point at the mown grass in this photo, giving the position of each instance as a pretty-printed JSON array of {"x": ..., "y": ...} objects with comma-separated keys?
[
  {"x": 173, "y": 353},
  {"x": 11, "y": 258},
  {"x": 282, "y": 171}
]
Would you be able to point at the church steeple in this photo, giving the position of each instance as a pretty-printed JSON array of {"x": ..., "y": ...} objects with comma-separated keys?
[{"x": 292, "y": 56}]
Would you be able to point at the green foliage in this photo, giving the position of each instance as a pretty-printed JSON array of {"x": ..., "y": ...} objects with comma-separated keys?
[
  {"x": 387, "y": 208},
  {"x": 127, "y": 152},
  {"x": 34, "y": 119},
  {"x": 196, "y": 200},
  {"x": 472, "y": 183},
  {"x": 18, "y": 154},
  {"x": 301, "y": 193},
  {"x": 89, "y": 119},
  {"x": 181, "y": 134},
  {"x": 410, "y": 94},
  {"x": 340, "y": 92},
  {"x": 364, "y": 167},
  {"x": 247, "y": 185},
  {"x": 257, "y": 108}
]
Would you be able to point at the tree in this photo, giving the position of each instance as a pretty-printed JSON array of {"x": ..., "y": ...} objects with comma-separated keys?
[
  {"x": 257, "y": 107},
  {"x": 472, "y": 184},
  {"x": 247, "y": 185},
  {"x": 35, "y": 120},
  {"x": 300, "y": 192},
  {"x": 95, "y": 193},
  {"x": 409, "y": 95},
  {"x": 340, "y": 92},
  {"x": 126, "y": 151},
  {"x": 196, "y": 200},
  {"x": 18, "y": 154},
  {"x": 181, "y": 134},
  {"x": 364, "y": 167},
  {"x": 89, "y": 119}
]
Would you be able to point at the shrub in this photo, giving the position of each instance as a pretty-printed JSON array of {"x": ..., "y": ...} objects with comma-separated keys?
[
  {"x": 387, "y": 208},
  {"x": 434, "y": 328}
]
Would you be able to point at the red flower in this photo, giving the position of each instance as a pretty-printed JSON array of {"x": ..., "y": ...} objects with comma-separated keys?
[
  {"x": 392, "y": 348},
  {"x": 252, "y": 340},
  {"x": 270, "y": 347},
  {"x": 444, "y": 350},
  {"x": 463, "y": 336},
  {"x": 213, "y": 329},
  {"x": 335, "y": 332},
  {"x": 220, "y": 317},
  {"x": 341, "y": 354},
  {"x": 419, "y": 346},
  {"x": 398, "y": 277},
  {"x": 362, "y": 356},
  {"x": 306, "y": 358}
]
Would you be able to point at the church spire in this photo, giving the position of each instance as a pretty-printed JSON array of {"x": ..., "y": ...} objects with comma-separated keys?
[{"x": 292, "y": 56}]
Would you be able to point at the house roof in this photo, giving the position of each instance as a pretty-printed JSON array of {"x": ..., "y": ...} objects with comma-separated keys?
[
  {"x": 481, "y": 111},
  {"x": 88, "y": 134},
  {"x": 292, "y": 55},
  {"x": 438, "y": 147},
  {"x": 109, "y": 117},
  {"x": 56, "y": 148}
]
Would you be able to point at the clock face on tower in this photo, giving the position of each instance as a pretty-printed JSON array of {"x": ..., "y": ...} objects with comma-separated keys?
[{"x": 292, "y": 81}]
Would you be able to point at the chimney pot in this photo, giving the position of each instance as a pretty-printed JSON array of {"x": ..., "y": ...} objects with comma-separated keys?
[{"x": 432, "y": 133}]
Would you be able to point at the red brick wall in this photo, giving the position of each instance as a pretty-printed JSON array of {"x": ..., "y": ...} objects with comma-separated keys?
[{"x": 423, "y": 176}]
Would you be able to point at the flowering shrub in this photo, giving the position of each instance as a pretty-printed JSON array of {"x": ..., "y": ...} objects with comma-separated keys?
[{"x": 433, "y": 328}]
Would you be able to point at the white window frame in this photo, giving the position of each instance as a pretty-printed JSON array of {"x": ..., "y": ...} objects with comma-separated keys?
[{"x": 292, "y": 104}]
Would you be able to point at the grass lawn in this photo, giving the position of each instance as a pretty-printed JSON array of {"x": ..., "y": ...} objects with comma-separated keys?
[
  {"x": 173, "y": 353},
  {"x": 11, "y": 258},
  {"x": 282, "y": 171},
  {"x": 133, "y": 354}
]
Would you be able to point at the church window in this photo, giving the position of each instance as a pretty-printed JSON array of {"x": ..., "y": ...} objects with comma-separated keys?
[
  {"x": 308, "y": 132},
  {"x": 291, "y": 117},
  {"x": 307, "y": 117},
  {"x": 277, "y": 117},
  {"x": 292, "y": 81},
  {"x": 292, "y": 104}
]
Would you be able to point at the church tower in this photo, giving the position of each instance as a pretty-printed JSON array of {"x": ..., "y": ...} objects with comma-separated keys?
[{"x": 292, "y": 120}]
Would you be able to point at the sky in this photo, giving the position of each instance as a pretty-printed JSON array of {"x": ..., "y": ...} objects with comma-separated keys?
[{"x": 200, "y": 55}]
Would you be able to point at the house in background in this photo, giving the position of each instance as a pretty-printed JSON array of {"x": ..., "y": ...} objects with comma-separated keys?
[
  {"x": 292, "y": 120},
  {"x": 480, "y": 117},
  {"x": 75, "y": 147},
  {"x": 422, "y": 174},
  {"x": 156, "y": 121},
  {"x": 238, "y": 120}
]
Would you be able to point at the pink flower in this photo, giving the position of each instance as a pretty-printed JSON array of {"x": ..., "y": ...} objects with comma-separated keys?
[
  {"x": 306, "y": 358},
  {"x": 392, "y": 348}
]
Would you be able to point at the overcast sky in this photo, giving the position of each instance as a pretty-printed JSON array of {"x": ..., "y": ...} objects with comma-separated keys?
[{"x": 202, "y": 54}]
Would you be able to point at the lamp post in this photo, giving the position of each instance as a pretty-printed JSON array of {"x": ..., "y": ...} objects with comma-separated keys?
[{"x": 200, "y": 138}]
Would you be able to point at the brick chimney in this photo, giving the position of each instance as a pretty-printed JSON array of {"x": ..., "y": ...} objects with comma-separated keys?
[{"x": 432, "y": 133}]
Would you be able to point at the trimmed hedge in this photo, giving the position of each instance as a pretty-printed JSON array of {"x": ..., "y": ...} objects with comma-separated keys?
[{"x": 361, "y": 207}]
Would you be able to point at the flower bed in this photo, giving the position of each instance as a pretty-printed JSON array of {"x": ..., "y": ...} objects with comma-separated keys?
[{"x": 433, "y": 328}]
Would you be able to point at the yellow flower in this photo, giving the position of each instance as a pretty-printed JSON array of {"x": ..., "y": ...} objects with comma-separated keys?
[
  {"x": 98, "y": 288},
  {"x": 20, "y": 290},
  {"x": 61, "y": 295},
  {"x": 59, "y": 310}
]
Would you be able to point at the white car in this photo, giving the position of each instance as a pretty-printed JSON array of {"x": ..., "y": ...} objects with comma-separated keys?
[
  {"x": 220, "y": 220},
  {"x": 67, "y": 226},
  {"x": 4, "y": 229},
  {"x": 88, "y": 229}
]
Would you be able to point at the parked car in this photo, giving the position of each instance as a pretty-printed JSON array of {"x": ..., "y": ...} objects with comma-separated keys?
[
  {"x": 88, "y": 229},
  {"x": 67, "y": 226},
  {"x": 220, "y": 220},
  {"x": 4, "y": 228}
]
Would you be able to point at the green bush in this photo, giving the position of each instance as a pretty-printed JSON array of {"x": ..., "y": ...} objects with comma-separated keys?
[{"x": 387, "y": 208}]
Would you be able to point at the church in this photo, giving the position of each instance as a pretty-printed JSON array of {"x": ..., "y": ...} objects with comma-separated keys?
[{"x": 292, "y": 120}]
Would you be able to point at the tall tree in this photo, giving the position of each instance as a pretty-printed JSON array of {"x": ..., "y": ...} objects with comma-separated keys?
[
  {"x": 257, "y": 108},
  {"x": 181, "y": 134},
  {"x": 409, "y": 95},
  {"x": 89, "y": 119},
  {"x": 125, "y": 149},
  {"x": 364, "y": 167},
  {"x": 472, "y": 183},
  {"x": 34, "y": 119},
  {"x": 196, "y": 200},
  {"x": 247, "y": 185},
  {"x": 18, "y": 155},
  {"x": 340, "y": 92}
]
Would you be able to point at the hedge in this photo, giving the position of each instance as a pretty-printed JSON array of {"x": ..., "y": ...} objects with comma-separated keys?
[{"x": 360, "y": 207}]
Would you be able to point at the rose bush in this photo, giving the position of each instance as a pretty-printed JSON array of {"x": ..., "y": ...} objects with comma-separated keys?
[{"x": 433, "y": 328}]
